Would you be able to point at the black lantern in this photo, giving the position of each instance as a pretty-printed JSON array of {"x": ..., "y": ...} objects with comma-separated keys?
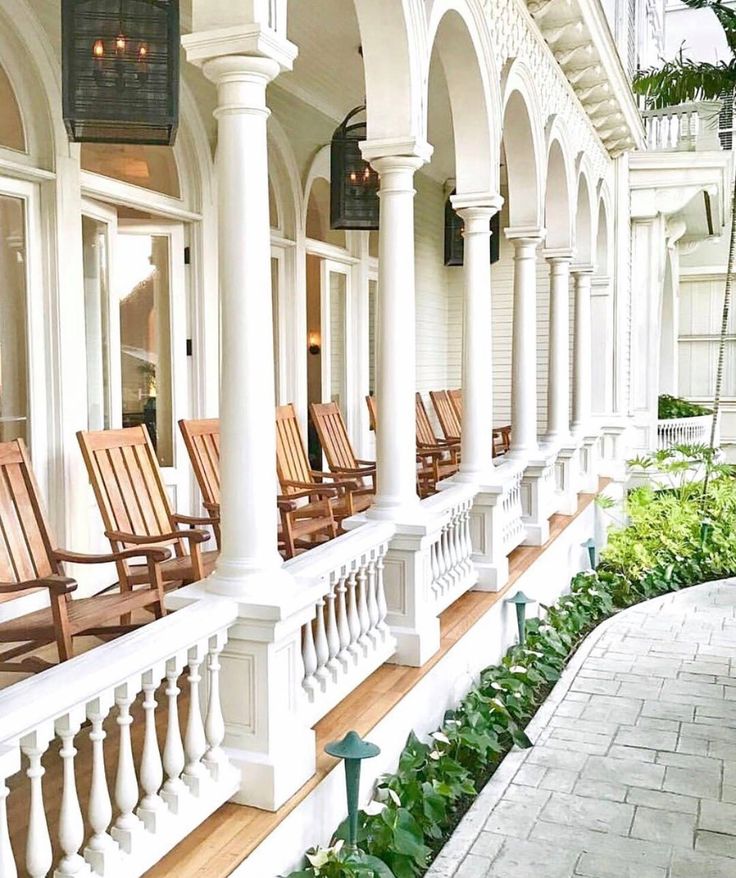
[
  {"x": 120, "y": 70},
  {"x": 353, "y": 184},
  {"x": 454, "y": 241}
]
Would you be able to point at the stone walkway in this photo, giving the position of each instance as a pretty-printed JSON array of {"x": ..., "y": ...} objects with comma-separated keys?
[{"x": 633, "y": 772}]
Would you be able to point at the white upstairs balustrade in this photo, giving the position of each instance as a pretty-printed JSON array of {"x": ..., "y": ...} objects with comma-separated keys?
[
  {"x": 683, "y": 127},
  {"x": 685, "y": 431},
  {"x": 348, "y": 638},
  {"x": 158, "y": 795}
]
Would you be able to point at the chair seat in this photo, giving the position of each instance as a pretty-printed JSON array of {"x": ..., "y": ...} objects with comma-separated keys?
[
  {"x": 84, "y": 614},
  {"x": 176, "y": 569},
  {"x": 361, "y": 502}
]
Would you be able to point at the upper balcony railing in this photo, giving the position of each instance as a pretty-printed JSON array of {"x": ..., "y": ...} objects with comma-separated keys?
[{"x": 685, "y": 127}]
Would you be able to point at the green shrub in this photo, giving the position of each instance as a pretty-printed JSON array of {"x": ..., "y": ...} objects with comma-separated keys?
[
  {"x": 667, "y": 543},
  {"x": 675, "y": 407}
]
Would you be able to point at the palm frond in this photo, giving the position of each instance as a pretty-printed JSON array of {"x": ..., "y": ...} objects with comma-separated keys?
[
  {"x": 683, "y": 80},
  {"x": 725, "y": 15}
]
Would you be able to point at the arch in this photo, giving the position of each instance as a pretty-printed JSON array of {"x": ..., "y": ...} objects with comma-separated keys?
[
  {"x": 585, "y": 218},
  {"x": 560, "y": 184},
  {"x": 392, "y": 34},
  {"x": 603, "y": 239},
  {"x": 316, "y": 206},
  {"x": 12, "y": 130},
  {"x": 523, "y": 141},
  {"x": 284, "y": 178},
  {"x": 465, "y": 51}
]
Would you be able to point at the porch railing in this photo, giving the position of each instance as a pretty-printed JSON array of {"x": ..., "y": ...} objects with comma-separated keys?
[
  {"x": 159, "y": 795},
  {"x": 513, "y": 525},
  {"x": 348, "y": 638},
  {"x": 685, "y": 431},
  {"x": 684, "y": 127}
]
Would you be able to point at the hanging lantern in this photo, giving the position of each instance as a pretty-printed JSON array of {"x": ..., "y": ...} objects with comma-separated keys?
[
  {"x": 454, "y": 241},
  {"x": 353, "y": 184},
  {"x": 120, "y": 70}
]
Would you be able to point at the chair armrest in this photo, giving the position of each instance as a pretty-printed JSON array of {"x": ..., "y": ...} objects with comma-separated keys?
[
  {"x": 356, "y": 471},
  {"x": 156, "y": 555},
  {"x": 58, "y": 585},
  {"x": 369, "y": 463},
  {"x": 193, "y": 536},
  {"x": 285, "y": 502},
  {"x": 307, "y": 489},
  {"x": 193, "y": 519}
]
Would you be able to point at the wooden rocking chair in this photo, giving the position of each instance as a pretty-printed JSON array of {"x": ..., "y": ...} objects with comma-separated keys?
[
  {"x": 333, "y": 437},
  {"x": 30, "y": 562},
  {"x": 136, "y": 509},
  {"x": 346, "y": 496},
  {"x": 202, "y": 441},
  {"x": 443, "y": 454},
  {"x": 447, "y": 415},
  {"x": 501, "y": 436}
]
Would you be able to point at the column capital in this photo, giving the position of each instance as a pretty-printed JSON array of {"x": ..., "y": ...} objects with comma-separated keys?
[
  {"x": 525, "y": 236},
  {"x": 253, "y": 40},
  {"x": 557, "y": 255},
  {"x": 397, "y": 148},
  {"x": 583, "y": 269},
  {"x": 477, "y": 204}
]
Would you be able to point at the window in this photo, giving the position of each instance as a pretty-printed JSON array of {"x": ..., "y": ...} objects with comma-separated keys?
[
  {"x": 11, "y": 123},
  {"x": 13, "y": 343},
  {"x": 150, "y": 167}
]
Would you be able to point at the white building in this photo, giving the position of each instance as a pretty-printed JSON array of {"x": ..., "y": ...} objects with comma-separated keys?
[{"x": 146, "y": 285}]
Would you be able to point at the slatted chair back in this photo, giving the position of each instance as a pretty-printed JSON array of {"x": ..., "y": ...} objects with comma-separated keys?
[
  {"x": 333, "y": 436},
  {"x": 446, "y": 414},
  {"x": 425, "y": 433},
  {"x": 127, "y": 482},
  {"x": 292, "y": 461},
  {"x": 372, "y": 412},
  {"x": 456, "y": 398},
  {"x": 202, "y": 440},
  {"x": 25, "y": 539}
]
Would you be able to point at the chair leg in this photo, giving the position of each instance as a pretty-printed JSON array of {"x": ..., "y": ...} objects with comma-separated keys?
[
  {"x": 61, "y": 626},
  {"x": 288, "y": 536},
  {"x": 157, "y": 585}
]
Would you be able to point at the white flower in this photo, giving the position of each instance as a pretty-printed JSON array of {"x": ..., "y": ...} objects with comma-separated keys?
[
  {"x": 497, "y": 686},
  {"x": 452, "y": 722},
  {"x": 441, "y": 737},
  {"x": 517, "y": 669},
  {"x": 594, "y": 593},
  {"x": 374, "y": 807},
  {"x": 319, "y": 858},
  {"x": 435, "y": 755},
  {"x": 394, "y": 798},
  {"x": 498, "y": 703}
]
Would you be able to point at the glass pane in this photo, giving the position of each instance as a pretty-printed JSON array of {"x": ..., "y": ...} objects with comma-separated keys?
[
  {"x": 13, "y": 351},
  {"x": 142, "y": 289},
  {"x": 275, "y": 323},
  {"x": 337, "y": 338},
  {"x": 96, "y": 322},
  {"x": 372, "y": 285},
  {"x": 11, "y": 123},
  {"x": 151, "y": 167}
]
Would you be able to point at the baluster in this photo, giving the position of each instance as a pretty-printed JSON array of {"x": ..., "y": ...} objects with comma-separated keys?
[
  {"x": 435, "y": 568},
  {"x": 366, "y": 634},
  {"x": 38, "y": 843},
  {"x": 333, "y": 636},
  {"x": 452, "y": 548},
  {"x": 370, "y": 584},
  {"x": 442, "y": 559},
  {"x": 152, "y": 809},
  {"x": 175, "y": 790},
  {"x": 321, "y": 646},
  {"x": 128, "y": 826},
  {"x": 468, "y": 535},
  {"x": 71, "y": 825},
  {"x": 214, "y": 726},
  {"x": 195, "y": 743},
  {"x": 343, "y": 629},
  {"x": 101, "y": 850},
  {"x": 380, "y": 592},
  {"x": 9, "y": 765},
  {"x": 353, "y": 619},
  {"x": 309, "y": 658}
]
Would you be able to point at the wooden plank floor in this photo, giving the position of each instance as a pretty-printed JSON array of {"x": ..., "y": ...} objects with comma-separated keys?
[{"x": 223, "y": 841}]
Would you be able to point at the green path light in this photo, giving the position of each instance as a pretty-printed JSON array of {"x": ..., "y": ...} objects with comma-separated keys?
[
  {"x": 520, "y": 600},
  {"x": 591, "y": 546},
  {"x": 353, "y": 750}
]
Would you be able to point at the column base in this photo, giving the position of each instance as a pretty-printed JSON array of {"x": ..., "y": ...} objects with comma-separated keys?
[
  {"x": 567, "y": 478},
  {"x": 537, "y": 499},
  {"x": 268, "y": 780},
  {"x": 415, "y": 647}
]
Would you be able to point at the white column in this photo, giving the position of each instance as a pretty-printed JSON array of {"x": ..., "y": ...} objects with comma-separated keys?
[
  {"x": 396, "y": 493},
  {"x": 477, "y": 380},
  {"x": 582, "y": 351},
  {"x": 558, "y": 385},
  {"x": 247, "y": 395},
  {"x": 524, "y": 356}
]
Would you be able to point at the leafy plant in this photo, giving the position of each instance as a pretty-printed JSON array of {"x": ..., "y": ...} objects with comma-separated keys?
[
  {"x": 675, "y": 407},
  {"x": 665, "y": 546}
]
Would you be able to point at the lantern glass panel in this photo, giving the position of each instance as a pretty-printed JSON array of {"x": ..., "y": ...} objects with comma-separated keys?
[
  {"x": 354, "y": 183},
  {"x": 121, "y": 70}
]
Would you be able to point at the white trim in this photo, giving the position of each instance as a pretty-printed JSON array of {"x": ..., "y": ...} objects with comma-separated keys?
[{"x": 117, "y": 192}]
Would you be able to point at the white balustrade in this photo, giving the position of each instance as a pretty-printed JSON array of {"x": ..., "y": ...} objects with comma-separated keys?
[
  {"x": 450, "y": 549},
  {"x": 687, "y": 126},
  {"x": 150, "y": 815},
  {"x": 513, "y": 531},
  {"x": 685, "y": 431},
  {"x": 348, "y": 638}
]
